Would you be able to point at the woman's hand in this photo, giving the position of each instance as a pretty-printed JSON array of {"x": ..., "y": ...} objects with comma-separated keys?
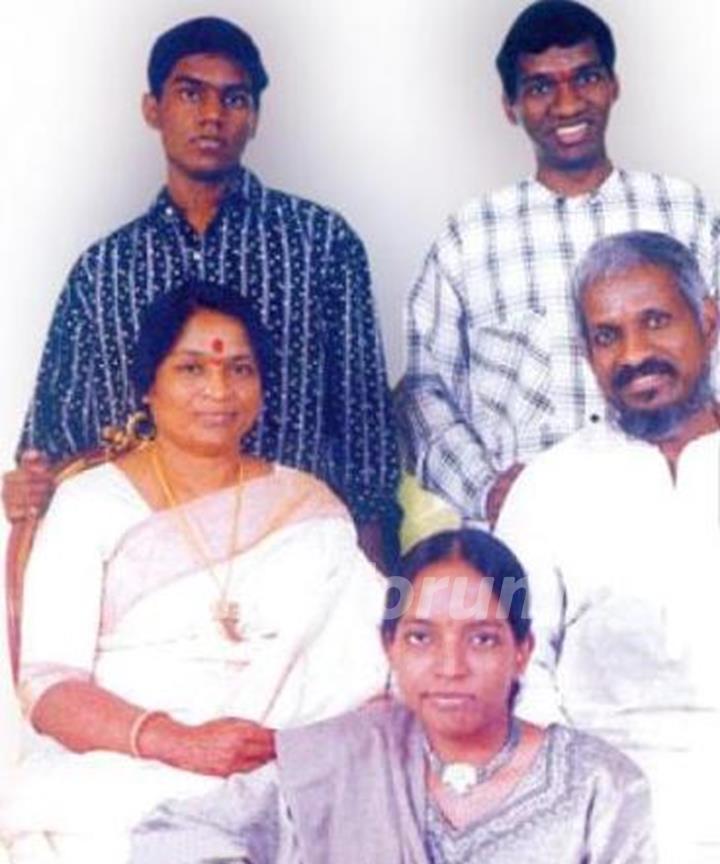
[
  {"x": 219, "y": 747},
  {"x": 84, "y": 717}
]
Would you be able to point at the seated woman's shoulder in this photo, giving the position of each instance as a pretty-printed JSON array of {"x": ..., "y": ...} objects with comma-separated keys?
[
  {"x": 97, "y": 483},
  {"x": 592, "y": 755},
  {"x": 302, "y": 485},
  {"x": 353, "y": 731}
]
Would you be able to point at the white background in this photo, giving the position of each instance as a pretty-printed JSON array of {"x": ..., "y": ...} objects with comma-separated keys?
[{"x": 388, "y": 110}]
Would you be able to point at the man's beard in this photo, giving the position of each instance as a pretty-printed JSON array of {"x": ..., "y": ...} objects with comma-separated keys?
[{"x": 660, "y": 423}]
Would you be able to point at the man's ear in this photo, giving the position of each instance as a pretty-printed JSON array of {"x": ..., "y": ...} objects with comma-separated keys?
[
  {"x": 151, "y": 110},
  {"x": 510, "y": 111},
  {"x": 709, "y": 322},
  {"x": 255, "y": 121}
]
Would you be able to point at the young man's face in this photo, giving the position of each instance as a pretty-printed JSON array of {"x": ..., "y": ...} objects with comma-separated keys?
[
  {"x": 563, "y": 101},
  {"x": 205, "y": 115}
]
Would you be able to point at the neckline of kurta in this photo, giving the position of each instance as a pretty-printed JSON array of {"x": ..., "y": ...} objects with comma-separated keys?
[
  {"x": 536, "y": 775},
  {"x": 689, "y": 453}
]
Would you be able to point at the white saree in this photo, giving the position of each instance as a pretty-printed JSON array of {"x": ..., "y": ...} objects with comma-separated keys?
[{"x": 114, "y": 594}]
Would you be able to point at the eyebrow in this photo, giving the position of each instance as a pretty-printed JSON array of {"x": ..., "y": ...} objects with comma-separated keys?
[
  {"x": 239, "y": 86},
  {"x": 595, "y": 66},
  {"x": 193, "y": 352},
  {"x": 471, "y": 622},
  {"x": 603, "y": 325}
]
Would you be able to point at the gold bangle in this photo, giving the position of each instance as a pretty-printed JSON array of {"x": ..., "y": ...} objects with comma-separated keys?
[{"x": 138, "y": 725}]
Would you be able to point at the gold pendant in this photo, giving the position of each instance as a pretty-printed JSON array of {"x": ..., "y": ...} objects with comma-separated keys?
[{"x": 227, "y": 614}]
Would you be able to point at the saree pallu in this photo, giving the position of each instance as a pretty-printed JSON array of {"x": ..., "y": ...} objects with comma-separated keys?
[{"x": 137, "y": 620}]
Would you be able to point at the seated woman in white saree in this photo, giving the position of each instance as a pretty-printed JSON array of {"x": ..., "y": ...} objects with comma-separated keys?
[
  {"x": 182, "y": 602},
  {"x": 446, "y": 775}
]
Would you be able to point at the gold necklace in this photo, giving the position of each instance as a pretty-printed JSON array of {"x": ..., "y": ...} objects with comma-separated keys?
[{"x": 224, "y": 611}]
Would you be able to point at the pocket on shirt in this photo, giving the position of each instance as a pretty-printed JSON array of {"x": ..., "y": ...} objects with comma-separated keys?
[{"x": 511, "y": 382}]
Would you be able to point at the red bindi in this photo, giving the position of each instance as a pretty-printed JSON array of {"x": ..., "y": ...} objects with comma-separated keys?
[{"x": 217, "y": 345}]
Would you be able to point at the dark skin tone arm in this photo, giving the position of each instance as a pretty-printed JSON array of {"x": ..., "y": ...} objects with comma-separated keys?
[
  {"x": 499, "y": 492},
  {"x": 371, "y": 542},
  {"x": 27, "y": 490}
]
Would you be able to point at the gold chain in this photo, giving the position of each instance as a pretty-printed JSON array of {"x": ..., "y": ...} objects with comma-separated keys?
[{"x": 226, "y": 613}]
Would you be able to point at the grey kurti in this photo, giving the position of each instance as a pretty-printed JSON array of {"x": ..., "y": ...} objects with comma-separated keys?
[
  {"x": 351, "y": 791},
  {"x": 580, "y": 803}
]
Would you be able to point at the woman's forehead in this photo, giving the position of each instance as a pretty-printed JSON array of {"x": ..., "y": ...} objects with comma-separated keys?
[
  {"x": 213, "y": 333},
  {"x": 452, "y": 590}
]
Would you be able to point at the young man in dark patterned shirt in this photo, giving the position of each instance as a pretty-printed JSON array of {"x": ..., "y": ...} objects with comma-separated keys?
[
  {"x": 495, "y": 371},
  {"x": 302, "y": 266}
]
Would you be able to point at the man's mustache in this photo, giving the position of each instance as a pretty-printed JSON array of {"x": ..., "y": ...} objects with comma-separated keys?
[{"x": 626, "y": 374}]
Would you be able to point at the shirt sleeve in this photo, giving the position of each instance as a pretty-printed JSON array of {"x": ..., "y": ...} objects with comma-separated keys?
[
  {"x": 445, "y": 449},
  {"x": 60, "y": 419},
  {"x": 523, "y": 529},
  {"x": 244, "y": 821},
  {"x": 621, "y": 829},
  {"x": 358, "y": 409},
  {"x": 708, "y": 254},
  {"x": 707, "y": 249}
]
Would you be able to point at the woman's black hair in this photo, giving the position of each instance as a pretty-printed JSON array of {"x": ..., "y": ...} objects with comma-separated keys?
[
  {"x": 165, "y": 317},
  {"x": 484, "y": 553}
]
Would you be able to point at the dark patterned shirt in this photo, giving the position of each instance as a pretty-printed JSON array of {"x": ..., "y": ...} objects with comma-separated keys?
[{"x": 327, "y": 408}]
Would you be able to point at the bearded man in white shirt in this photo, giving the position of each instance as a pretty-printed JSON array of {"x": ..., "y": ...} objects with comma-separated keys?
[{"x": 618, "y": 527}]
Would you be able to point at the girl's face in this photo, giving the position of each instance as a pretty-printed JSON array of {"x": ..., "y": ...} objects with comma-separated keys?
[{"x": 454, "y": 654}]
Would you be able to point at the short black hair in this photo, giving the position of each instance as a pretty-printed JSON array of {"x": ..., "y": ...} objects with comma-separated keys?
[
  {"x": 546, "y": 23},
  {"x": 165, "y": 317},
  {"x": 206, "y": 36},
  {"x": 484, "y": 553}
]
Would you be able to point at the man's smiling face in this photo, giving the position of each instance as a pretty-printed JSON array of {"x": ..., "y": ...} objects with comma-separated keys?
[
  {"x": 648, "y": 347},
  {"x": 563, "y": 102}
]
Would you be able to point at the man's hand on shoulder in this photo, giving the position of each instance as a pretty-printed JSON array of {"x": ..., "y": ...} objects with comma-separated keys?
[
  {"x": 27, "y": 490},
  {"x": 497, "y": 495}
]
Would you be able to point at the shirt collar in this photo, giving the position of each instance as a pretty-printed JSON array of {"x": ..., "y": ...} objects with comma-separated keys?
[
  {"x": 609, "y": 427},
  {"x": 243, "y": 188},
  {"x": 606, "y": 190}
]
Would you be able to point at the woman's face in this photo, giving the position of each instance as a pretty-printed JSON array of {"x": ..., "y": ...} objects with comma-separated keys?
[
  {"x": 454, "y": 654},
  {"x": 207, "y": 392}
]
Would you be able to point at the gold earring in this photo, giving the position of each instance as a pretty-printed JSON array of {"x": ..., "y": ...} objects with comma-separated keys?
[
  {"x": 139, "y": 430},
  {"x": 140, "y": 427}
]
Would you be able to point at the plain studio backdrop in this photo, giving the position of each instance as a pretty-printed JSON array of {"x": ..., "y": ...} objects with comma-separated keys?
[{"x": 387, "y": 110}]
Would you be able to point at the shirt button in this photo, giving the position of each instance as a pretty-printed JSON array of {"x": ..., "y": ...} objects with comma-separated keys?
[
  {"x": 168, "y": 211},
  {"x": 196, "y": 256}
]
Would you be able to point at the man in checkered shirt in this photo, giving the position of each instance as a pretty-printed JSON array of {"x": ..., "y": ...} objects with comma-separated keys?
[{"x": 495, "y": 368}]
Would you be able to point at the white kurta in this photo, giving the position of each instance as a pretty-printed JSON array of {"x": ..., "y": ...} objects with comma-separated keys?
[
  {"x": 114, "y": 595},
  {"x": 624, "y": 568}
]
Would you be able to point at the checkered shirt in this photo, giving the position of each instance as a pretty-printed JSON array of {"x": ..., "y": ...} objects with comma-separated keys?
[{"x": 496, "y": 371}]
